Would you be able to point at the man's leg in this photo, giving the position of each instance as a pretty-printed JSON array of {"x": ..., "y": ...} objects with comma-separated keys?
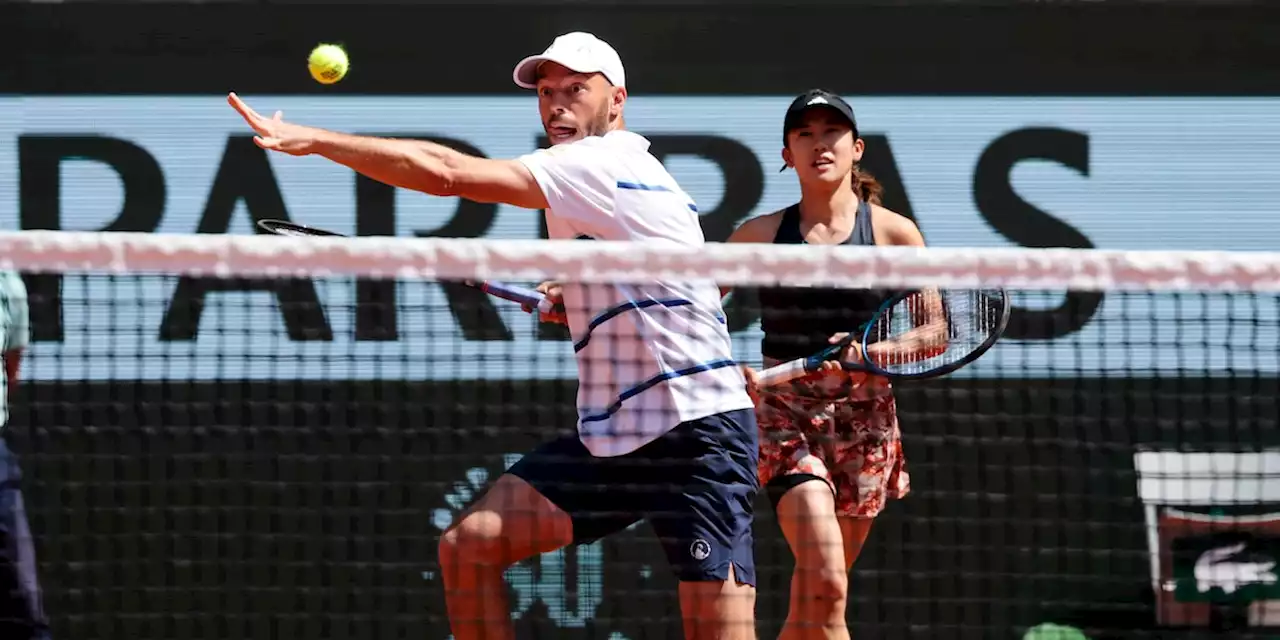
[
  {"x": 21, "y": 609},
  {"x": 718, "y": 610},
  {"x": 510, "y": 523},
  {"x": 549, "y": 499},
  {"x": 705, "y": 521}
]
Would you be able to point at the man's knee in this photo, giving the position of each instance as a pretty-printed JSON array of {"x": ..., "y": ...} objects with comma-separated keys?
[
  {"x": 475, "y": 539},
  {"x": 511, "y": 522}
]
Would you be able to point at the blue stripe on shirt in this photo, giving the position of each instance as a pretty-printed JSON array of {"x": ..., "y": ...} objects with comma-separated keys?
[
  {"x": 636, "y": 186},
  {"x": 654, "y": 381},
  {"x": 626, "y": 306}
]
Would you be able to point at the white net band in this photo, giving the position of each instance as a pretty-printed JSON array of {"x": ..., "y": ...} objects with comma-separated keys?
[{"x": 595, "y": 262}]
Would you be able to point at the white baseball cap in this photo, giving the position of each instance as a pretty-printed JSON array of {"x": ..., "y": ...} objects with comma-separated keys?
[{"x": 579, "y": 51}]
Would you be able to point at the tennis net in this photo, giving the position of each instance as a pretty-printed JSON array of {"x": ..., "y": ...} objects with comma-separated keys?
[{"x": 261, "y": 436}]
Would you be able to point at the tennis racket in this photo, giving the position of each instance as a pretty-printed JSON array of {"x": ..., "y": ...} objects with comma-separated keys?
[
  {"x": 914, "y": 335},
  {"x": 528, "y": 297},
  {"x": 286, "y": 228}
]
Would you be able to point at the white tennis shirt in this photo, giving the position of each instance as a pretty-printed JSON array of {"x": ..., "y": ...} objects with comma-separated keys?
[
  {"x": 650, "y": 355},
  {"x": 15, "y": 328}
]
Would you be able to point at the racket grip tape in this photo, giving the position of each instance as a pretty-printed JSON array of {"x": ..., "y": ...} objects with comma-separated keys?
[
  {"x": 793, "y": 369},
  {"x": 522, "y": 295},
  {"x": 787, "y": 371}
]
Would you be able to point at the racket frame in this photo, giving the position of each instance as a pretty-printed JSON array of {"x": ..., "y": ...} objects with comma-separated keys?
[
  {"x": 793, "y": 369},
  {"x": 287, "y": 228},
  {"x": 524, "y": 296}
]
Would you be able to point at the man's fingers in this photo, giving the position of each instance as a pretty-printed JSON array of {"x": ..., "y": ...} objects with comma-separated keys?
[
  {"x": 255, "y": 120},
  {"x": 243, "y": 109},
  {"x": 279, "y": 117}
]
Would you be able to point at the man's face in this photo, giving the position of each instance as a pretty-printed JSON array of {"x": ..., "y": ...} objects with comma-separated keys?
[{"x": 575, "y": 105}]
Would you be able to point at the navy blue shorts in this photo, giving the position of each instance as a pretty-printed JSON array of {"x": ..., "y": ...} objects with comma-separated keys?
[{"x": 696, "y": 486}]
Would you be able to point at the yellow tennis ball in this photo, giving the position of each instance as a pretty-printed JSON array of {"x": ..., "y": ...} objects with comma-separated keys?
[{"x": 327, "y": 63}]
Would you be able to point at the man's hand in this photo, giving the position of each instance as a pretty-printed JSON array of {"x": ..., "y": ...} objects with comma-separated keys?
[
  {"x": 753, "y": 381},
  {"x": 409, "y": 164},
  {"x": 275, "y": 134},
  {"x": 554, "y": 292}
]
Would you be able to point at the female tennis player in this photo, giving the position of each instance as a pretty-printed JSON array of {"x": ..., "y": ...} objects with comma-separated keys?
[{"x": 830, "y": 449}]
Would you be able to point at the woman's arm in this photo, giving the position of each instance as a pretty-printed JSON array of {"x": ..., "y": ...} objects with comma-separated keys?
[{"x": 929, "y": 337}]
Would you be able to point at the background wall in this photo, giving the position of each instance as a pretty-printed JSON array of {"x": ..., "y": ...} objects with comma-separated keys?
[{"x": 191, "y": 478}]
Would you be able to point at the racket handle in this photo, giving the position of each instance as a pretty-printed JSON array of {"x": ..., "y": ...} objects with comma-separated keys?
[
  {"x": 793, "y": 369},
  {"x": 786, "y": 371},
  {"x": 523, "y": 295}
]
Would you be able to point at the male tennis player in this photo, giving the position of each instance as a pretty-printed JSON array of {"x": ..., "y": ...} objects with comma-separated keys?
[
  {"x": 666, "y": 430},
  {"x": 21, "y": 611}
]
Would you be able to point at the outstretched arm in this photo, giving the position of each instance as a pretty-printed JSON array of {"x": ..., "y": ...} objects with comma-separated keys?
[{"x": 411, "y": 164}]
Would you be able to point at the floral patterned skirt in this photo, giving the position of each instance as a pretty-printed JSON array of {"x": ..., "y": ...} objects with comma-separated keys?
[{"x": 840, "y": 431}]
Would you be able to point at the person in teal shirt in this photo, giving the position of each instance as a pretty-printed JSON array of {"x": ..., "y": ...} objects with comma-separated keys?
[{"x": 21, "y": 609}]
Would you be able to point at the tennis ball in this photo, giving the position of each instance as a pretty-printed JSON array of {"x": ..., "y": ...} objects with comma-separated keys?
[{"x": 327, "y": 63}]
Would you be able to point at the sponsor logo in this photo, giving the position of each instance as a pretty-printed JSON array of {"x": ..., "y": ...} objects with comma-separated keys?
[
  {"x": 978, "y": 172},
  {"x": 1223, "y": 568},
  {"x": 700, "y": 550},
  {"x": 1213, "y": 535}
]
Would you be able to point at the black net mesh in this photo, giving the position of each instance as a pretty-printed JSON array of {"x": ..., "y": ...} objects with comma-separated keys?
[{"x": 207, "y": 458}]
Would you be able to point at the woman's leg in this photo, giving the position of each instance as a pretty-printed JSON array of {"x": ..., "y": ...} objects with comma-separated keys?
[
  {"x": 807, "y": 515},
  {"x": 854, "y": 533},
  {"x": 868, "y": 472}
]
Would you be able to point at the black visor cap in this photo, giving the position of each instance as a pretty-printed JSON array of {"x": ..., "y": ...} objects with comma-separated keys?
[{"x": 813, "y": 99}]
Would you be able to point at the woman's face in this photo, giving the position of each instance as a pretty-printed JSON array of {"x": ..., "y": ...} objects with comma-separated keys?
[{"x": 822, "y": 149}]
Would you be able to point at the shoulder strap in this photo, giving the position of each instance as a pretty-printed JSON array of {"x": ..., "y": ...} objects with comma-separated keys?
[
  {"x": 789, "y": 228},
  {"x": 863, "y": 230}
]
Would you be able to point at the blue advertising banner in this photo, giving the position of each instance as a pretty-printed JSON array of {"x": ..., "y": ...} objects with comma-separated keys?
[{"x": 1115, "y": 173}]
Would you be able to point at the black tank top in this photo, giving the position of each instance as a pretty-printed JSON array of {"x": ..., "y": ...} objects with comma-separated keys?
[{"x": 798, "y": 321}]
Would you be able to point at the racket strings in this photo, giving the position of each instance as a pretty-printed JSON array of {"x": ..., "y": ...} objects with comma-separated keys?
[{"x": 932, "y": 329}]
